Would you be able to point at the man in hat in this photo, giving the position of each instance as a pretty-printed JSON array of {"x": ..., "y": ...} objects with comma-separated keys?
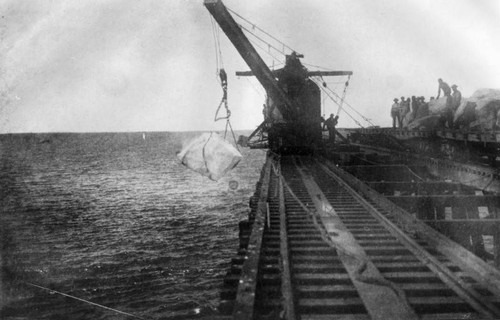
[
  {"x": 330, "y": 123},
  {"x": 404, "y": 109},
  {"x": 395, "y": 113},
  {"x": 456, "y": 97},
  {"x": 445, "y": 87},
  {"x": 447, "y": 114}
]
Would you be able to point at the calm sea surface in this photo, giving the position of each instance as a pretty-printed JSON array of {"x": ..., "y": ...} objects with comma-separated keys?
[{"x": 115, "y": 219}]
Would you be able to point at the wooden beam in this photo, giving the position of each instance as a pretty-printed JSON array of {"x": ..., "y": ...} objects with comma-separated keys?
[
  {"x": 420, "y": 187},
  {"x": 329, "y": 73},
  {"x": 397, "y": 173},
  {"x": 309, "y": 73},
  {"x": 481, "y": 271},
  {"x": 245, "y": 296},
  {"x": 446, "y": 200},
  {"x": 496, "y": 239},
  {"x": 481, "y": 226}
]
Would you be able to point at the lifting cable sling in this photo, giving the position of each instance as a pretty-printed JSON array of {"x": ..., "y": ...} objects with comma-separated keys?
[{"x": 223, "y": 82}]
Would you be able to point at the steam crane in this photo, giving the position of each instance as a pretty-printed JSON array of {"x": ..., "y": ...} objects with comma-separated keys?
[{"x": 292, "y": 114}]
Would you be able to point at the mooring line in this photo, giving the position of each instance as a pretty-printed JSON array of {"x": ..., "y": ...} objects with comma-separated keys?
[{"x": 86, "y": 301}]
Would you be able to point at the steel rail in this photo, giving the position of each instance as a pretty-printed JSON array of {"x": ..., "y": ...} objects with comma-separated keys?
[
  {"x": 472, "y": 297},
  {"x": 382, "y": 298},
  {"x": 286, "y": 282}
]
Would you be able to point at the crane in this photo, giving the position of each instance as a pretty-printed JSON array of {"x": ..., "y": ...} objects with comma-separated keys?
[{"x": 292, "y": 112}]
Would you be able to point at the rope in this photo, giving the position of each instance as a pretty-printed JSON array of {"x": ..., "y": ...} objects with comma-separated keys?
[
  {"x": 347, "y": 104},
  {"x": 270, "y": 46},
  {"x": 312, "y": 65},
  {"x": 254, "y": 26},
  {"x": 413, "y": 173},
  {"x": 280, "y": 61},
  {"x": 335, "y": 101},
  {"x": 267, "y": 43},
  {"x": 343, "y": 94},
  {"x": 203, "y": 152},
  {"x": 342, "y": 99},
  {"x": 259, "y": 91},
  {"x": 86, "y": 301},
  {"x": 264, "y": 41},
  {"x": 228, "y": 123},
  {"x": 218, "y": 51},
  {"x": 223, "y": 82}
]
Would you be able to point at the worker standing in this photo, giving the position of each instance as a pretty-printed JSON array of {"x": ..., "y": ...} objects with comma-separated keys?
[
  {"x": 395, "y": 113},
  {"x": 445, "y": 87},
  {"x": 447, "y": 115},
  {"x": 456, "y": 97},
  {"x": 414, "y": 108},
  {"x": 402, "y": 112},
  {"x": 330, "y": 123}
]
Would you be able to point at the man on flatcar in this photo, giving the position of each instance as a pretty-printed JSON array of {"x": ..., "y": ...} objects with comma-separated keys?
[
  {"x": 395, "y": 113},
  {"x": 404, "y": 108},
  {"x": 406, "y": 112},
  {"x": 456, "y": 97},
  {"x": 414, "y": 108},
  {"x": 445, "y": 87}
]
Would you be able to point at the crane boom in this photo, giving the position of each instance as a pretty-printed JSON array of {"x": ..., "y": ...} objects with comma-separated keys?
[
  {"x": 309, "y": 73},
  {"x": 261, "y": 71}
]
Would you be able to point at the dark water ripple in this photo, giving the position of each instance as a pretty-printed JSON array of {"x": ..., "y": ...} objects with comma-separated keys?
[{"x": 116, "y": 220}]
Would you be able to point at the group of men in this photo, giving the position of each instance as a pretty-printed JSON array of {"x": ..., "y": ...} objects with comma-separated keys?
[
  {"x": 416, "y": 107},
  {"x": 408, "y": 109}
]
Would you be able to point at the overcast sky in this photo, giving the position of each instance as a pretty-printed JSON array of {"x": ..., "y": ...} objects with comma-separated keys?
[{"x": 129, "y": 65}]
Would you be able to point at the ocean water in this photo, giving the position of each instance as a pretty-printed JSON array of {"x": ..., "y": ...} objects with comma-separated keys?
[{"x": 114, "y": 219}]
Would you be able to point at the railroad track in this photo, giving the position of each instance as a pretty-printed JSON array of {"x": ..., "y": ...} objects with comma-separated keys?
[{"x": 320, "y": 250}]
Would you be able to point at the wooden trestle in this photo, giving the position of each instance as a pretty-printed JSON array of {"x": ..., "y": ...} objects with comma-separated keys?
[{"x": 320, "y": 243}]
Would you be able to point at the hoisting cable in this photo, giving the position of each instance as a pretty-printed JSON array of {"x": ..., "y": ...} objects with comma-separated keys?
[
  {"x": 265, "y": 42},
  {"x": 86, "y": 301},
  {"x": 343, "y": 94},
  {"x": 223, "y": 82},
  {"x": 263, "y": 31},
  {"x": 270, "y": 46},
  {"x": 257, "y": 90},
  {"x": 347, "y": 104},
  {"x": 218, "y": 53},
  {"x": 335, "y": 101}
]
